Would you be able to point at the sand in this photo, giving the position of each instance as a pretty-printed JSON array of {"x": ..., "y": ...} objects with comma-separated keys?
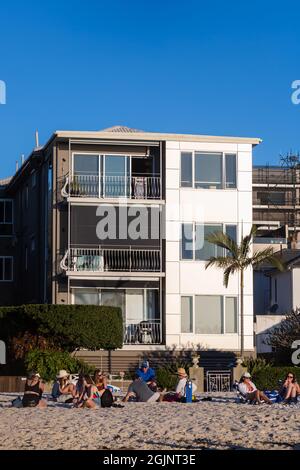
[{"x": 219, "y": 424}]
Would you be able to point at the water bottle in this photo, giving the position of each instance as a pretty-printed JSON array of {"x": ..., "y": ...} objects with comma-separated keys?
[{"x": 189, "y": 391}]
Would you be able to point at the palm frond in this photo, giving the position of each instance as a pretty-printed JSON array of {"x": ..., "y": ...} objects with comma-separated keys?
[
  {"x": 220, "y": 261},
  {"x": 246, "y": 242},
  {"x": 222, "y": 240},
  {"x": 267, "y": 256},
  {"x": 228, "y": 271}
]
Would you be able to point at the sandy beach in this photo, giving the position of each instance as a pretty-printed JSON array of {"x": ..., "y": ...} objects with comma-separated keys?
[{"x": 219, "y": 424}]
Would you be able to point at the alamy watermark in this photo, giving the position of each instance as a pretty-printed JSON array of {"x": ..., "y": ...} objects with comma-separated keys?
[
  {"x": 295, "y": 97},
  {"x": 2, "y": 92},
  {"x": 296, "y": 354}
]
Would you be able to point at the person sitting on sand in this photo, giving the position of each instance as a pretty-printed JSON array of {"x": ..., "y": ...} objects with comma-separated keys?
[
  {"x": 100, "y": 380},
  {"x": 33, "y": 392},
  {"x": 147, "y": 374},
  {"x": 63, "y": 390},
  {"x": 181, "y": 385},
  {"x": 87, "y": 394},
  {"x": 139, "y": 389},
  {"x": 290, "y": 389},
  {"x": 250, "y": 392}
]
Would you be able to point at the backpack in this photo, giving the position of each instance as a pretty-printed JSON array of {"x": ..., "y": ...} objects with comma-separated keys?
[{"x": 106, "y": 399}]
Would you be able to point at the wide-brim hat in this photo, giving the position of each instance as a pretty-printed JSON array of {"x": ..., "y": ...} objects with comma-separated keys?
[
  {"x": 181, "y": 371},
  {"x": 247, "y": 375},
  {"x": 62, "y": 374}
]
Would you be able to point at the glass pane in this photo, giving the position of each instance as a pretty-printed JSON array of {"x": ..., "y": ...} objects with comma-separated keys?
[
  {"x": 203, "y": 249},
  {"x": 208, "y": 170},
  {"x": 134, "y": 306},
  {"x": 152, "y": 305},
  {"x": 186, "y": 314},
  {"x": 115, "y": 179},
  {"x": 86, "y": 165},
  {"x": 231, "y": 315},
  {"x": 208, "y": 314},
  {"x": 230, "y": 160},
  {"x": 8, "y": 269},
  {"x": 1, "y": 212},
  {"x": 186, "y": 170},
  {"x": 1, "y": 269},
  {"x": 8, "y": 212},
  {"x": 114, "y": 298},
  {"x": 231, "y": 232},
  {"x": 86, "y": 297},
  {"x": 187, "y": 241}
]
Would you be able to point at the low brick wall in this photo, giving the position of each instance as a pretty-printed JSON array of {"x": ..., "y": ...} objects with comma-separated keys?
[{"x": 12, "y": 384}]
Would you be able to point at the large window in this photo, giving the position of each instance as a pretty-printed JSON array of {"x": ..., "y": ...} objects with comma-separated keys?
[
  {"x": 116, "y": 170},
  {"x": 208, "y": 170},
  {"x": 6, "y": 217},
  {"x": 194, "y": 245},
  {"x": 6, "y": 268},
  {"x": 86, "y": 165},
  {"x": 209, "y": 314}
]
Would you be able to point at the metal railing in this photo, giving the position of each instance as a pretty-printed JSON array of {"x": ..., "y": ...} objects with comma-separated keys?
[
  {"x": 145, "y": 332},
  {"x": 218, "y": 381},
  {"x": 135, "y": 187},
  {"x": 270, "y": 241},
  {"x": 111, "y": 259}
]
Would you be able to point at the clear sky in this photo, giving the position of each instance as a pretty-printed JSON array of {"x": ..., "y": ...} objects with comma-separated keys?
[{"x": 207, "y": 67}]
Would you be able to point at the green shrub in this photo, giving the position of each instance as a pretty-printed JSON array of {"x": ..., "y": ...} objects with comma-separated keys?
[
  {"x": 268, "y": 378},
  {"x": 254, "y": 365},
  {"x": 65, "y": 327},
  {"x": 48, "y": 363}
]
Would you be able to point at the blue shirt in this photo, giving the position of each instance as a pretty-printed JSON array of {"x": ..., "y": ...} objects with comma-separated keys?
[{"x": 146, "y": 376}]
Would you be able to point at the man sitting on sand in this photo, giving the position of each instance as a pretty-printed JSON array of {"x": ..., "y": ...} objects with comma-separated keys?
[
  {"x": 250, "y": 392},
  {"x": 147, "y": 374},
  {"x": 63, "y": 390},
  {"x": 139, "y": 389}
]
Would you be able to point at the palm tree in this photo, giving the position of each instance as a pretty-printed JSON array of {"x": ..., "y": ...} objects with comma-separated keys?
[{"x": 238, "y": 258}]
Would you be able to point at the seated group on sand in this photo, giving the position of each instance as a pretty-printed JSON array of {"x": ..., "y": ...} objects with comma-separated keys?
[{"x": 94, "y": 392}]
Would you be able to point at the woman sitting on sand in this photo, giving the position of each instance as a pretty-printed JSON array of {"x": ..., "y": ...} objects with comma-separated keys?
[
  {"x": 250, "y": 392},
  {"x": 100, "y": 380},
  {"x": 180, "y": 392},
  {"x": 63, "y": 390},
  {"x": 33, "y": 392},
  {"x": 290, "y": 389},
  {"x": 87, "y": 394}
]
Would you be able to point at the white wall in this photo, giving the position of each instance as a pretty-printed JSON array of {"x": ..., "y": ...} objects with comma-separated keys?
[
  {"x": 205, "y": 205},
  {"x": 296, "y": 287},
  {"x": 264, "y": 324}
]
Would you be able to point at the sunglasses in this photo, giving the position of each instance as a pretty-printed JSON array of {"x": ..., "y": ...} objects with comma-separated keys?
[{"x": 290, "y": 376}]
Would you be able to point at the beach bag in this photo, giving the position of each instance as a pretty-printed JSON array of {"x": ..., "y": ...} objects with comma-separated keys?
[{"x": 106, "y": 399}]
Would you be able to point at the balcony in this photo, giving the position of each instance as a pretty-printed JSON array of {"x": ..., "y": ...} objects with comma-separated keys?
[
  {"x": 99, "y": 260},
  {"x": 94, "y": 186},
  {"x": 145, "y": 332}
]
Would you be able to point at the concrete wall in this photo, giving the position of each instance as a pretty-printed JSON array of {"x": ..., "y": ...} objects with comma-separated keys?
[{"x": 263, "y": 326}]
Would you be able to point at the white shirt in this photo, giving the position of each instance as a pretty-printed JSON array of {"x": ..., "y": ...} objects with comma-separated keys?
[
  {"x": 180, "y": 388},
  {"x": 243, "y": 388}
]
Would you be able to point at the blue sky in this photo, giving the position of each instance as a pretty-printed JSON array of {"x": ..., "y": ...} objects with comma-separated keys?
[{"x": 196, "y": 66}]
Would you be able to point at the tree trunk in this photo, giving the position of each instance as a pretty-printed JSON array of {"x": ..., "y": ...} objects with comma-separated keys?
[{"x": 242, "y": 313}]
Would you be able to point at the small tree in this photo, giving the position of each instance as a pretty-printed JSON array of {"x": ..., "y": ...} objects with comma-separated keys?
[{"x": 237, "y": 259}]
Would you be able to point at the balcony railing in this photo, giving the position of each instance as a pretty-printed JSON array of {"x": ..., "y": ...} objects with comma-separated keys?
[
  {"x": 145, "y": 332},
  {"x": 135, "y": 187},
  {"x": 111, "y": 259}
]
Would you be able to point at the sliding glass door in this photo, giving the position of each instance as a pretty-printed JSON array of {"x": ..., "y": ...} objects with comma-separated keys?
[{"x": 116, "y": 176}]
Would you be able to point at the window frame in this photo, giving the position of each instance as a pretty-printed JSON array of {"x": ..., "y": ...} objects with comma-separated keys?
[
  {"x": 223, "y": 303},
  {"x": 194, "y": 224},
  {"x": 12, "y": 269},
  {"x": 12, "y": 217},
  {"x": 223, "y": 169}
]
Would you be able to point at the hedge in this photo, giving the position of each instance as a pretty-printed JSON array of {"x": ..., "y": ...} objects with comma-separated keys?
[
  {"x": 268, "y": 379},
  {"x": 49, "y": 363},
  {"x": 65, "y": 327}
]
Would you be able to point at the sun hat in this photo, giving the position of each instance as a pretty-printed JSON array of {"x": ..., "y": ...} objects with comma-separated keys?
[
  {"x": 62, "y": 374},
  {"x": 181, "y": 371},
  {"x": 145, "y": 365},
  {"x": 247, "y": 375}
]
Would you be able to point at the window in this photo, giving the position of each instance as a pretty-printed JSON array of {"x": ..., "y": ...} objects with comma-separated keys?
[
  {"x": 116, "y": 181},
  {"x": 208, "y": 314},
  {"x": 6, "y": 217},
  {"x": 211, "y": 314},
  {"x": 230, "y": 315},
  {"x": 33, "y": 179},
  {"x": 230, "y": 170},
  {"x": 86, "y": 297},
  {"x": 6, "y": 268},
  {"x": 86, "y": 165},
  {"x": 186, "y": 169},
  {"x": 194, "y": 245},
  {"x": 187, "y": 314},
  {"x": 208, "y": 170}
]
